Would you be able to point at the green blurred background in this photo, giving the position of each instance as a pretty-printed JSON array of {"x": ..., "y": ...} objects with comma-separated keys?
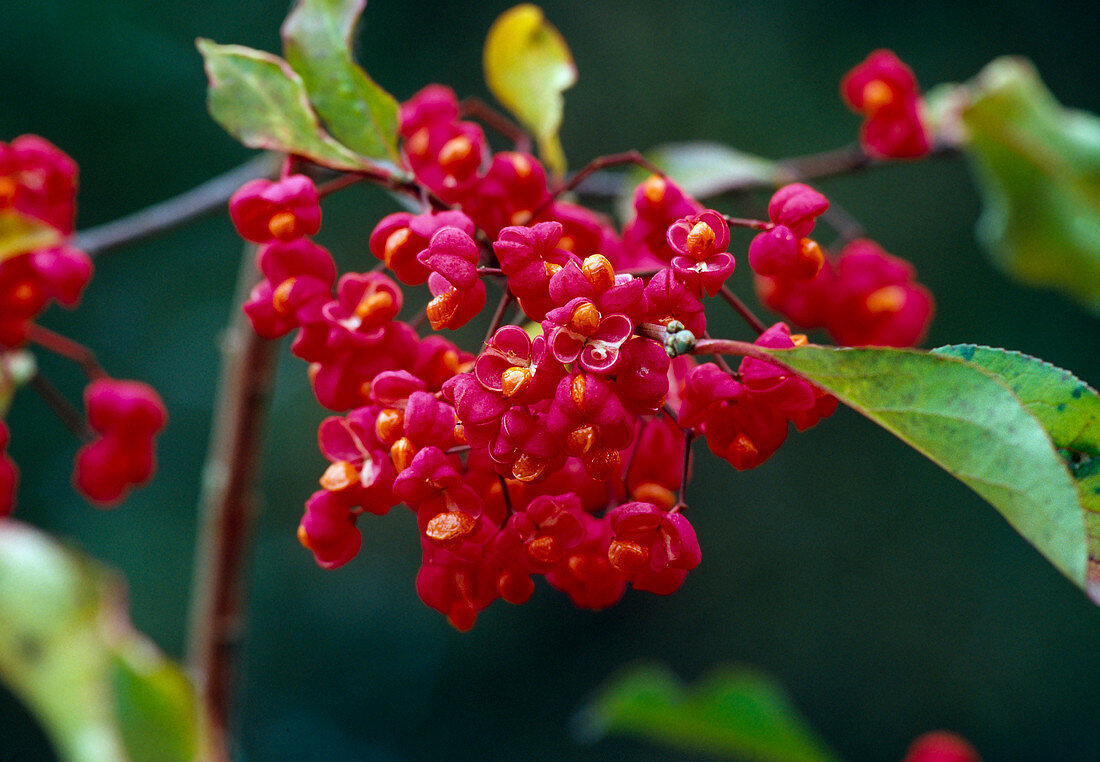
[{"x": 886, "y": 596}]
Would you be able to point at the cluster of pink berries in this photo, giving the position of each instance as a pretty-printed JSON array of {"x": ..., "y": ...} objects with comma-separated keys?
[
  {"x": 884, "y": 90},
  {"x": 561, "y": 447},
  {"x": 38, "y": 183}
]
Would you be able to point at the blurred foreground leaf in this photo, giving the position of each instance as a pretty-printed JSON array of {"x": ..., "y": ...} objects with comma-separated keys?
[
  {"x": 527, "y": 67},
  {"x": 20, "y": 234},
  {"x": 1069, "y": 410},
  {"x": 1038, "y": 167},
  {"x": 68, "y": 651},
  {"x": 17, "y": 367},
  {"x": 317, "y": 39},
  {"x": 971, "y": 424},
  {"x": 262, "y": 102},
  {"x": 702, "y": 169},
  {"x": 734, "y": 713}
]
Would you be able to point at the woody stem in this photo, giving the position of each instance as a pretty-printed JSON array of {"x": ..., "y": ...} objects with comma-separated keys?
[{"x": 227, "y": 510}]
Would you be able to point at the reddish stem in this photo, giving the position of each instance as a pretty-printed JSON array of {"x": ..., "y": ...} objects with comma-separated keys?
[
  {"x": 479, "y": 109},
  {"x": 601, "y": 162},
  {"x": 667, "y": 410},
  {"x": 838, "y": 161},
  {"x": 61, "y": 407},
  {"x": 498, "y": 316},
  {"x": 419, "y": 318},
  {"x": 67, "y": 348},
  {"x": 731, "y": 347},
  {"x": 681, "y": 504},
  {"x": 725, "y": 366},
  {"x": 743, "y": 310},
  {"x": 341, "y": 182},
  {"x": 227, "y": 511},
  {"x": 741, "y": 222},
  {"x": 504, "y": 492}
]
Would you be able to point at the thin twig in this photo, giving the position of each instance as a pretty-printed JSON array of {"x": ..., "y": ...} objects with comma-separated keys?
[
  {"x": 602, "y": 162},
  {"x": 811, "y": 167},
  {"x": 741, "y": 222},
  {"x": 847, "y": 227},
  {"x": 419, "y": 318},
  {"x": 67, "y": 348},
  {"x": 638, "y": 428},
  {"x": 743, "y": 310},
  {"x": 339, "y": 183},
  {"x": 227, "y": 511},
  {"x": 214, "y": 194},
  {"x": 61, "y": 407},
  {"x": 498, "y": 316},
  {"x": 168, "y": 215},
  {"x": 492, "y": 118},
  {"x": 825, "y": 164},
  {"x": 681, "y": 493},
  {"x": 504, "y": 493},
  {"x": 667, "y": 410}
]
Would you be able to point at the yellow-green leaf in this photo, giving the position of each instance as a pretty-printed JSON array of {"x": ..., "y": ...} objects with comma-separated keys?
[
  {"x": 971, "y": 424},
  {"x": 262, "y": 102},
  {"x": 67, "y": 650},
  {"x": 527, "y": 67},
  {"x": 155, "y": 704},
  {"x": 20, "y": 234},
  {"x": 317, "y": 42}
]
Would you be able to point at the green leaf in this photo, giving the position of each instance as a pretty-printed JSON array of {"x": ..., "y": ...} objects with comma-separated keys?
[
  {"x": 1069, "y": 410},
  {"x": 971, "y": 424},
  {"x": 68, "y": 651},
  {"x": 317, "y": 39},
  {"x": 262, "y": 102},
  {"x": 527, "y": 67},
  {"x": 702, "y": 169},
  {"x": 20, "y": 234},
  {"x": 1038, "y": 167},
  {"x": 734, "y": 713},
  {"x": 155, "y": 705}
]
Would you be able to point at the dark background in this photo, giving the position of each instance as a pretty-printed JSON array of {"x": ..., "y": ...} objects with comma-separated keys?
[{"x": 885, "y": 595}]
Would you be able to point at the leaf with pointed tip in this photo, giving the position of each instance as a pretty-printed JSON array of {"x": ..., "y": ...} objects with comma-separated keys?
[
  {"x": 970, "y": 423},
  {"x": 1038, "y": 167},
  {"x": 734, "y": 713},
  {"x": 317, "y": 44},
  {"x": 1069, "y": 410},
  {"x": 527, "y": 68},
  {"x": 20, "y": 234},
  {"x": 262, "y": 102},
  {"x": 101, "y": 691}
]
